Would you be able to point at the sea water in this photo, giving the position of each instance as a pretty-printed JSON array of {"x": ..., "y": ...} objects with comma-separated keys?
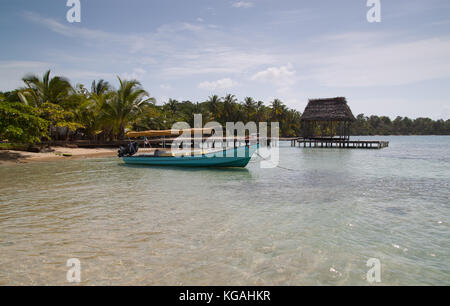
[{"x": 316, "y": 220}]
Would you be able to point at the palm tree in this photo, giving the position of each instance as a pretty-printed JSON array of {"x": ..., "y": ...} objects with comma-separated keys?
[
  {"x": 100, "y": 87},
  {"x": 172, "y": 106},
  {"x": 249, "y": 106},
  {"x": 230, "y": 109},
  {"x": 214, "y": 103},
  {"x": 260, "y": 112},
  {"x": 126, "y": 103},
  {"x": 278, "y": 109},
  {"x": 55, "y": 90},
  {"x": 90, "y": 109}
]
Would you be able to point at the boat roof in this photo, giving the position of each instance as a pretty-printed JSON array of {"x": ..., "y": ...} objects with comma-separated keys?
[{"x": 156, "y": 133}]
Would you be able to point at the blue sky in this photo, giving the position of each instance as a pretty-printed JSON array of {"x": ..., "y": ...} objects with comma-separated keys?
[{"x": 290, "y": 49}]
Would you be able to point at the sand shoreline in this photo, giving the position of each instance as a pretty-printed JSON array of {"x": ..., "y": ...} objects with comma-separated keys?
[{"x": 11, "y": 157}]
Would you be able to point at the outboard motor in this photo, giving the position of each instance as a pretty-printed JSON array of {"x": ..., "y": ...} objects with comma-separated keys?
[{"x": 129, "y": 150}]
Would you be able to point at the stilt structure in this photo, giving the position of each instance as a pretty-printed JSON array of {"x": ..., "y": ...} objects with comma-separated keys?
[{"x": 326, "y": 124}]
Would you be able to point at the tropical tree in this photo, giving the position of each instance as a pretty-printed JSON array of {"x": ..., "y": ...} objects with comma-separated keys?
[
  {"x": 215, "y": 106},
  {"x": 250, "y": 108},
  {"x": 171, "y": 107},
  {"x": 278, "y": 109},
  {"x": 51, "y": 106},
  {"x": 124, "y": 106},
  {"x": 21, "y": 123},
  {"x": 38, "y": 91},
  {"x": 90, "y": 109},
  {"x": 260, "y": 115},
  {"x": 230, "y": 109},
  {"x": 100, "y": 88}
]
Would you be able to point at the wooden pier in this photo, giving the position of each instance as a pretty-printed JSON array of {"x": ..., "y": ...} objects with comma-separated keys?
[
  {"x": 163, "y": 142},
  {"x": 338, "y": 143},
  {"x": 239, "y": 141}
]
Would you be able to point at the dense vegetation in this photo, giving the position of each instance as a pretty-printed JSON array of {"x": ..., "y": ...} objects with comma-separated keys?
[
  {"x": 51, "y": 108},
  {"x": 375, "y": 125}
]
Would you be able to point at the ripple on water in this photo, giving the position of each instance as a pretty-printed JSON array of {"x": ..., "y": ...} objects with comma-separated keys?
[{"x": 316, "y": 225}]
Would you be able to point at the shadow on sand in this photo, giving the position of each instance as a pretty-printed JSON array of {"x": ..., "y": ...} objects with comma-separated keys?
[{"x": 10, "y": 156}]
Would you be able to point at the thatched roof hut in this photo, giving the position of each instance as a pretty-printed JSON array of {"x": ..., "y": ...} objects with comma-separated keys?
[
  {"x": 334, "y": 109},
  {"x": 327, "y": 118}
]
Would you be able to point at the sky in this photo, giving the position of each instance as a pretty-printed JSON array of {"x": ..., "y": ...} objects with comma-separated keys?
[{"x": 293, "y": 50}]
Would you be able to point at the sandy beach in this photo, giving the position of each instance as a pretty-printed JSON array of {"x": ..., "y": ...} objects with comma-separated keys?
[{"x": 60, "y": 153}]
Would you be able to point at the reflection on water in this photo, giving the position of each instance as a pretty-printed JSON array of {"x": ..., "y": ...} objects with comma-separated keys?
[
  {"x": 220, "y": 170},
  {"x": 318, "y": 224}
]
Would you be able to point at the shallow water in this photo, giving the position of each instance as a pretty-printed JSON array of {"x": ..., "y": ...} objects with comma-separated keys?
[{"x": 317, "y": 223}]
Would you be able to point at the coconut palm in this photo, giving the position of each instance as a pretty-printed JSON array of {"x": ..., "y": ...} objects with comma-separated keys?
[
  {"x": 90, "y": 109},
  {"x": 172, "y": 107},
  {"x": 249, "y": 107},
  {"x": 278, "y": 109},
  {"x": 100, "y": 87},
  {"x": 124, "y": 105},
  {"x": 260, "y": 112},
  {"x": 55, "y": 90},
  {"x": 230, "y": 108},
  {"x": 214, "y": 103}
]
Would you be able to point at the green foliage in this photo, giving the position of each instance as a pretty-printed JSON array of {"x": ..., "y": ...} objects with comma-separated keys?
[
  {"x": 21, "y": 123},
  {"x": 104, "y": 113},
  {"x": 124, "y": 106},
  {"x": 222, "y": 110},
  {"x": 55, "y": 90},
  {"x": 383, "y": 125},
  {"x": 57, "y": 116}
]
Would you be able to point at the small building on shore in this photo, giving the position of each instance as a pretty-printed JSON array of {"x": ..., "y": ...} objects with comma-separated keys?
[{"x": 327, "y": 118}]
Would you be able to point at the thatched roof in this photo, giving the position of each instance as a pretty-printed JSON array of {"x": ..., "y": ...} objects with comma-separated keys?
[{"x": 334, "y": 109}]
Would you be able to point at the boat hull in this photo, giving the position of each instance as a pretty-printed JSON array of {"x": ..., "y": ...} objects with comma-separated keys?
[{"x": 237, "y": 157}]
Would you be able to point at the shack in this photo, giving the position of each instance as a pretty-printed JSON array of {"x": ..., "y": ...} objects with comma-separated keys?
[{"x": 326, "y": 124}]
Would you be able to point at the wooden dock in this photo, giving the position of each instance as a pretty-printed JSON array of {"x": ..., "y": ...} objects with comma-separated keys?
[
  {"x": 338, "y": 143},
  {"x": 239, "y": 141},
  {"x": 163, "y": 142}
]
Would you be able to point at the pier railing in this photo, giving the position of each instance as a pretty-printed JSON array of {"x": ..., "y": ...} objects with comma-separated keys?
[
  {"x": 239, "y": 141},
  {"x": 338, "y": 143}
]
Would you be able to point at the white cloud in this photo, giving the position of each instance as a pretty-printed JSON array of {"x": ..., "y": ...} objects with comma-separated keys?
[
  {"x": 66, "y": 30},
  {"x": 12, "y": 72},
  {"x": 159, "y": 41},
  {"x": 282, "y": 78},
  {"x": 217, "y": 85},
  {"x": 358, "y": 59},
  {"x": 242, "y": 4},
  {"x": 77, "y": 74},
  {"x": 136, "y": 74},
  {"x": 216, "y": 60},
  {"x": 165, "y": 86},
  {"x": 330, "y": 64},
  {"x": 386, "y": 64},
  {"x": 275, "y": 74},
  {"x": 206, "y": 49}
]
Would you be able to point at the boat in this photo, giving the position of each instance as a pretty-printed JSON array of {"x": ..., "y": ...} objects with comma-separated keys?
[
  {"x": 227, "y": 157},
  {"x": 235, "y": 157}
]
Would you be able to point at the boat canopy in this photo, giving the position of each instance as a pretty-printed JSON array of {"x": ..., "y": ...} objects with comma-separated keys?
[{"x": 157, "y": 133}]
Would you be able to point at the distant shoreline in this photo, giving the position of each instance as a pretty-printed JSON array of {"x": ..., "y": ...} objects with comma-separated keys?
[{"x": 11, "y": 157}]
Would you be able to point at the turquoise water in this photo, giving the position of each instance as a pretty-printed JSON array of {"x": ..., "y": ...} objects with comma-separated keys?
[{"x": 315, "y": 224}]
